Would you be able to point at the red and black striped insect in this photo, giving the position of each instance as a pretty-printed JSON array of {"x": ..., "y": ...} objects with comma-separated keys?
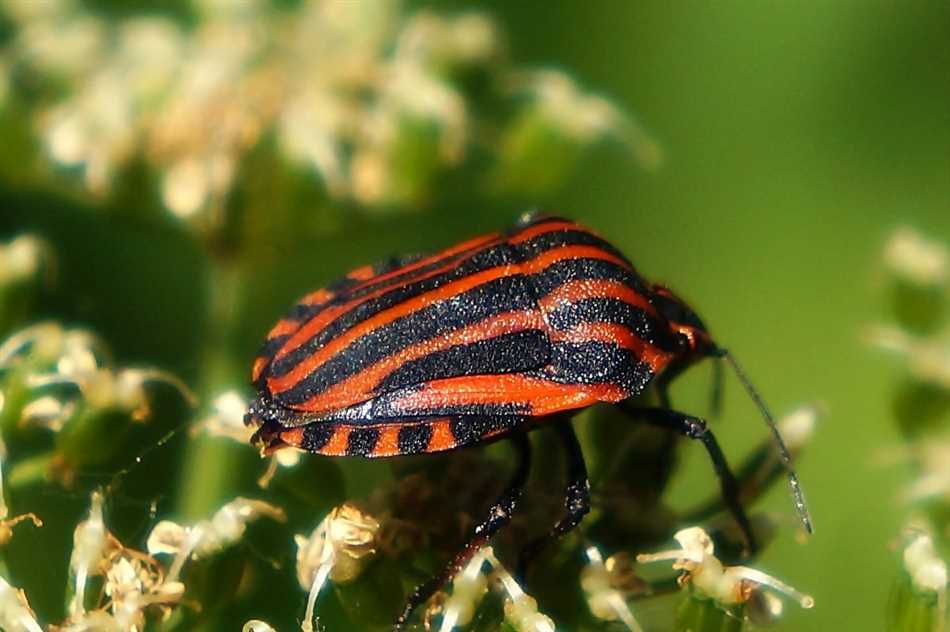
[{"x": 484, "y": 340}]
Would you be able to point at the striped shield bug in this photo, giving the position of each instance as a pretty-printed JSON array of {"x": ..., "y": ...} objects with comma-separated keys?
[{"x": 485, "y": 340}]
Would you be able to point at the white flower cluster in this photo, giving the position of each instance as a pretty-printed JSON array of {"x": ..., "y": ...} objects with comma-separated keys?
[
  {"x": 23, "y": 258},
  {"x": 469, "y": 587},
  {"x": 134, "y": 581},
  {"x": 367, "y": 99},
  {"x": 53, "y": 356},
  {"x": 726, "y": 585}
]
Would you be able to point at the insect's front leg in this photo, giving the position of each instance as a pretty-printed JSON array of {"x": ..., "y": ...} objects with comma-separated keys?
[
  {"x": 499, "y": 514},
  {"x": 695, "y": 428}
]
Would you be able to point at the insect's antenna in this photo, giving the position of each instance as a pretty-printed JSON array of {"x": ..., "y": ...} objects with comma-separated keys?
[{"x": 797, "y": 495}]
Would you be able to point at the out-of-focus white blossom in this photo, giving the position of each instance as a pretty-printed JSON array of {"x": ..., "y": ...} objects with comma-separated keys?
[
  {"x": 15, "y": 612},
  {"x": 23, "y": 257},
  {"x": 913, "y": 257},
  {"x": 208, "y": 537},
  {"x": 338, "y": 548},
  {"x": 365, "y": 97},
  {"x": 928, "y": 359},
  {"x": 469, "y": 39},
  {"x": 928, "y": 572},
  {"x": 73, "y": 357},
  {"x": 558, "y": 99},
  {"x": 227, "y": 420},
  {"x": 256, "y": 625},
  {"x": 726, "y": 585},
  {"x": 604, "y": 600},
  {"x": 798, "y": 426}
]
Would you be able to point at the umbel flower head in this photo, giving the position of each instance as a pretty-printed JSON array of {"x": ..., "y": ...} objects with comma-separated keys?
[{"x": 373, "y": 103}]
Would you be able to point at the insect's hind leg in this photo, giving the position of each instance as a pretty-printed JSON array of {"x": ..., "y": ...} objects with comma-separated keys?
[
  {"x": 499, "y": 514},
  {"x": 576, "y": 497},
  {"x": 695, "y": 428}
]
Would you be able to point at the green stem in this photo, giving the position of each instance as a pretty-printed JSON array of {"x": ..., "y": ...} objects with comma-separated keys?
[{"x": 207, "y": 472}]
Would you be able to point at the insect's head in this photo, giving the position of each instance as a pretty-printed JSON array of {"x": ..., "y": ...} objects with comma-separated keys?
[{"x": 688, "y": 328}]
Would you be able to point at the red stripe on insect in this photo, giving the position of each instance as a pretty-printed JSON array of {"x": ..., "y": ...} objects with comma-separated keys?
[
  {"x": 318, "y": 297},
  {"x": 258, "y": 368},
  {"x": 442, "y": 438},
  {"x": 544, "y": 397},
  {"x": 545, "y": 259},
  {"x": 388, "y": 442},
  {"x": 360, "y": 386},
  {"x": 652, "y": 356},
  {"x": 363, "y": 273},
  {"x": 283, "y": 327},
  {"x": 324, "y": 318},
  {"x": 472, "y": 244},
  {"x": 311, "y": 362},
  {"x": 574, "y": 291}
]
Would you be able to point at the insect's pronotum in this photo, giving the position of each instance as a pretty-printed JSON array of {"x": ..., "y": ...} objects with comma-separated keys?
[{"x": 484, "y": 340}]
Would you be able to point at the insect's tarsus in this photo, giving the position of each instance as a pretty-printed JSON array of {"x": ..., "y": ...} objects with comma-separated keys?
[{"x": 797, "y": 495}]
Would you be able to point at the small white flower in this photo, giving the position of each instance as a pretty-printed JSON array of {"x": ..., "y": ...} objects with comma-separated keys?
[
  {"x": 23, "y": 257},
  {"x": 338, "y": 549},
  {"x": 727, "y": 585},
  {"x": 256, "y": 625},
  {"x": 15, "y": 612},
  {"x": 917, "y": 259},
  {"x": 521, "y": 609},
  {"x": 605, "y": 602},
  {"x": 91, "y": 541},
  {"x": 927, "y": 571},
  {"x": 927, "y": 358},
  {"x": 468, "y": 588},
  {"x": 208, "y": 537}
]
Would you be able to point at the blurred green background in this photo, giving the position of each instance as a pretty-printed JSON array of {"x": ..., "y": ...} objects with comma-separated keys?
[{"x": 796, "y": 136}]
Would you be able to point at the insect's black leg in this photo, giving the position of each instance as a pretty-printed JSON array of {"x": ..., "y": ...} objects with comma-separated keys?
[
  {"x": 576, "y": 497},
  {"x": 499, "y": 514},
  {"x": 695, "y": 428}
]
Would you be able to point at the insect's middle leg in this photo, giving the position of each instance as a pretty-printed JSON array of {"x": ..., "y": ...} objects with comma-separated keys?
[
  {"x": 695, "y": 428},
  {"x": 499, "y": 514},
  {"x": 576, "y": 497}
]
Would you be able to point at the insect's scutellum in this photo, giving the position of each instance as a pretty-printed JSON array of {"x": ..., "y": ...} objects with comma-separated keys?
[{"x": 477, "y": 343}]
